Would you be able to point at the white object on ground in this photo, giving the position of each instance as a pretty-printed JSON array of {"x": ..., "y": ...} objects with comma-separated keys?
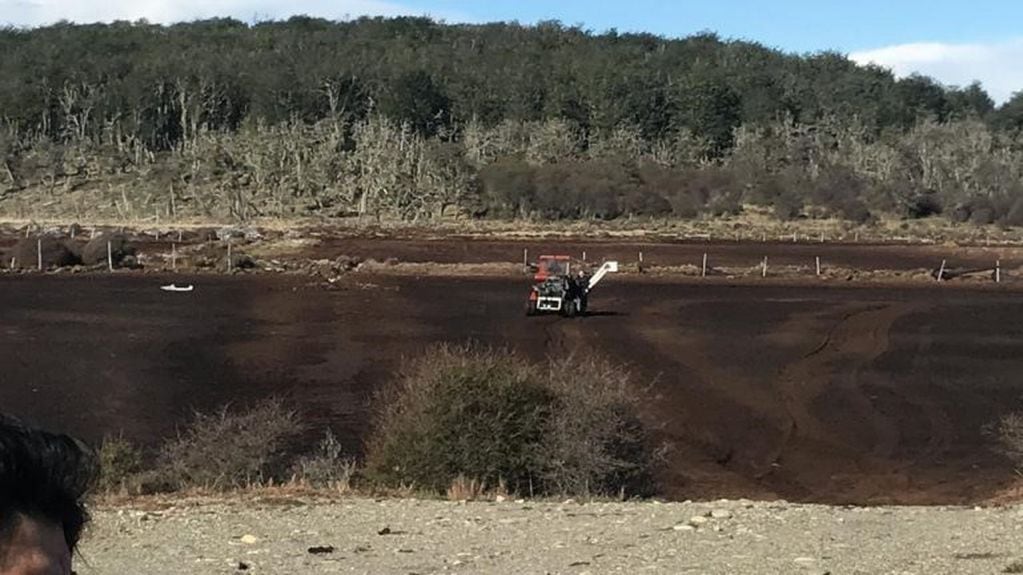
[{"x": 177, "y": 288}]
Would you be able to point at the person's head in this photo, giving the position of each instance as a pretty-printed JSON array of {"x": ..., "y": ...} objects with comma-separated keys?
[{"x": 44, "y": 479}]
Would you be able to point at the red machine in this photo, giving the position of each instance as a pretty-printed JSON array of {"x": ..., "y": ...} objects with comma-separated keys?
[{"x": 557, "y": 290}]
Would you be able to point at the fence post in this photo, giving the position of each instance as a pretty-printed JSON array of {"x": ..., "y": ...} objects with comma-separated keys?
[
  {"x": 525, "y": 257},
  {"x": 229, "y": 263},
  {"x": 795, "y": 237},
  {"x": 584, "y": 255},
  {"x": 704, "y": 265},
  {"x": 110, "y": 256},
  {"x": 998, "y": 271},
  {"x": 765, "y": 267},
  {"x": 174, "y": 257},
  {"x": 39, "y": 254},
  {"x": 941, "y": 272},
  {"x": 818, "y": 265}
]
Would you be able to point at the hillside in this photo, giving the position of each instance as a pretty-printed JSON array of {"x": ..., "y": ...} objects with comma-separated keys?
[{"x": 413, "y": 119}]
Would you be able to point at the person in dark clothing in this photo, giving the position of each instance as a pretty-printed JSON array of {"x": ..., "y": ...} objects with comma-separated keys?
[{"x": 44, "y": 479}]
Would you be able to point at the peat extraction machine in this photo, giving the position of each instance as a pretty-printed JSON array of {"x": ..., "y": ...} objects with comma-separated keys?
[{"x": 556, "y": 290}]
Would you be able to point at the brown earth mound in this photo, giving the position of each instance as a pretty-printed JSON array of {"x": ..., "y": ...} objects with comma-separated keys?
[
  {"x": 55, "y": 253},
  {"x": 120, "y": 250}
]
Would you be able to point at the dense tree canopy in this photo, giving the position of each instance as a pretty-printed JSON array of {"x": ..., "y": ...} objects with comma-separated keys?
[{"x": 313, "y": 115}]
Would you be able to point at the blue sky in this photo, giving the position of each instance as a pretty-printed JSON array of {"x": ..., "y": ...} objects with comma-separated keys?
[
  {"x": 793, "y": 25},
  {"x": 953, "y": 41}
]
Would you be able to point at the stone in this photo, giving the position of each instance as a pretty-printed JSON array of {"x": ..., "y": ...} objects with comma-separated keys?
[
  {"x": 721, "y": 514},
  {"x": 249, "y": 539}
]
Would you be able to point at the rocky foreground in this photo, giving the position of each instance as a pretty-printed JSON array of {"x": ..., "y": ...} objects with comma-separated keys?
[{"x": 416, "y": 536}]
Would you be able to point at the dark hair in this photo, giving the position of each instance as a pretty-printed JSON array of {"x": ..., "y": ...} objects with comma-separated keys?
[{"x": 44, "y": 476}]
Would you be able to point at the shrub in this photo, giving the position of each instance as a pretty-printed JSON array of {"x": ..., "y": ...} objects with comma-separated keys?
[
  {"x": 328, "y": 467},
  {"x": 459, "y": 415},
  {"x": 458, "y": 411},
  {"x": 1008, "y": 431},
  {"x": 228, "y": 449},
  {"x": 120, "y": 462},
  {"x": 595, "y": 443}
]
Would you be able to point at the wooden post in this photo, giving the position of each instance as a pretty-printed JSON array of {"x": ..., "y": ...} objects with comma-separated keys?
[
  {"x": 110, "y": 256},
  {"x": 822, "y": 237},
  {"x": 941, "y": 272},
  {"x": 856, "y": 237},
  {"x": 229, "y": 264},
  {"x": 584, "y": 255},
  {"x": 14, "y": 262},
  {"x": 174, "y": 257},
  {"x": 764, "y": 238},
  {"x": 525, "y": 257},
  {"x": 998, "y": 271},
  {"x": 818, "y": 265},
  {"x": 765, "y": 267},
  {"x": 39, "y": 253},
  {"x": 704, "y": 265},
  {"x": 795, "y": 237},
  {"x": 179, "y": 235}
]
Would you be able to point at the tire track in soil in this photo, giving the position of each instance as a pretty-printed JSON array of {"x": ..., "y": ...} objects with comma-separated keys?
[
  {"x": 710, "y": 455},
  {"x": 837, "y": 368}
]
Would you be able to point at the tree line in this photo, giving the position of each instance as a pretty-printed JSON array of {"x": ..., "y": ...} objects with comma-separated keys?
[{"x": 410, "y": 118}]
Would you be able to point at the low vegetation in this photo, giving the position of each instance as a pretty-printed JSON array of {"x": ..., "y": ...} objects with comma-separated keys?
[
  {"x": 458, "y": 421},
  {"x": 1008, "y": 431},
  {"x": 460, "y": 415},
  {"x": 230, "y": 448}
]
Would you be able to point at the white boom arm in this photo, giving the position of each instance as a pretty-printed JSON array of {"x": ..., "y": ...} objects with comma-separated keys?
[{"x": 608, "y": 267}]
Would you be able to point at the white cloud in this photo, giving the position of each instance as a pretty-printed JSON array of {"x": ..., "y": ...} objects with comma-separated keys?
[
  {"x": 995, "y": 65},
  {"x": 42, "y": 12}
]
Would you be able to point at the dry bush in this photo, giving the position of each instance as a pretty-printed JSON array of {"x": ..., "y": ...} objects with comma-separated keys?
[
  {"x": 328, "y": 467},
  {"x": 120, "y": 462},
  {"x": 596, "y": 444},
  {"x": 230, "y": 448},
  {"x": 460, "y": 411},
  {"x": 464, "y": 415},
  {"x": 1008, "y": 431},
  {"x": 465, "y": 489}
]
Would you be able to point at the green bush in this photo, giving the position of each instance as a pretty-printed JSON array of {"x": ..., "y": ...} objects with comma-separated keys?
[{"x": 565, "y": 427}]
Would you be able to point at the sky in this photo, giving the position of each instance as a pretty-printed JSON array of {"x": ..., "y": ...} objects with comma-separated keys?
[{"x": 954, "y": 41}]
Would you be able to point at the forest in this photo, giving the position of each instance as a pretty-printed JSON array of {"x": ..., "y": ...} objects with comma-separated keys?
[{"x": 413, "y": 119}]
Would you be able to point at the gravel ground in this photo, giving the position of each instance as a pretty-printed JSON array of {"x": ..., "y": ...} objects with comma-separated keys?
[{"x": 416, "y": 536}]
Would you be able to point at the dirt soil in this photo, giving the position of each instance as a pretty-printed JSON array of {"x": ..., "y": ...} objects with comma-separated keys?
[
  {"x": 812, "y": 393},
  {"x": 726, "y": 537}
]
